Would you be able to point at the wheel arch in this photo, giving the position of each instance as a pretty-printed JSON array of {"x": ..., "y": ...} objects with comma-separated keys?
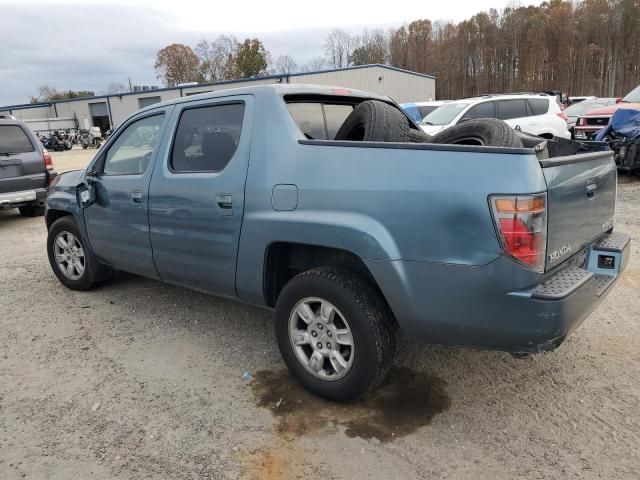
[
  {"x": 54, "y": 214},
  {"x": 284, "y": 260}
]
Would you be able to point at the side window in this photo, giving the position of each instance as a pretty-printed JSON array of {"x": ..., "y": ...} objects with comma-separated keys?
[
  {"x": 336, "y": 115},
  {"x": 508, "y": 109},
  {"x": 309, "y": 118},
  {"x": 132, "y": 150},
  {"x": 207, "y": 138},
  {"x": 482, "y": 110},
  {"x": 538, "y": 106}
]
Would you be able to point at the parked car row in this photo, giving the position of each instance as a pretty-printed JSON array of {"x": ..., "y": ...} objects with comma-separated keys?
[
  {"x": 537, "y": 114},
  {"x": 542, "y": 114}
]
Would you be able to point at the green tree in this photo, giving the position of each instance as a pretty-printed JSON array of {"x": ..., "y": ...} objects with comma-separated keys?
[
  {"x": 47, "y": 93},
  {"x": 251, "y": 59}
]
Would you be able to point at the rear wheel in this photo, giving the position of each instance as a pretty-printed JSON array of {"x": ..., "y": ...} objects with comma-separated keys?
[{"x": 335, "y": 333}]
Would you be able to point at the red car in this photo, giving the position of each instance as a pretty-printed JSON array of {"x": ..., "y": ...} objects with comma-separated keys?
[{"x": 594, "y": 120}]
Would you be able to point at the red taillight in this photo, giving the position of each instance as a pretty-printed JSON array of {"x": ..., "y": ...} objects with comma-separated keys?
[
  {"x": 522, "y": 225},
  {"x": 563, "y": 116},
  {"x": 48, "y": 161}
]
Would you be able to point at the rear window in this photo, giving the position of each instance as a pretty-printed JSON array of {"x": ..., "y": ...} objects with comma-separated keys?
[
  {"x": 309, "y": 118},
  {"x": 14, "y": 140},
  {"x": 508, "y": 109},
  {"x": 317, "y": 120},
  {"x": 539, "y": 106}
]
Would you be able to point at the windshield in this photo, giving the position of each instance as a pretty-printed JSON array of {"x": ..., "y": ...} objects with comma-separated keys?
[
  {"x": 633, "y": 96},
  {"x": 444, "y": 115},
  {"x": 584, "y": 106}
]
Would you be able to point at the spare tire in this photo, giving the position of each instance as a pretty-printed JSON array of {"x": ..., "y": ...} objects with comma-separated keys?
[
  {"x": 376, "y": 121},
  {"x": 488, "y": 132},
  {"x": 418, "y": 136}
]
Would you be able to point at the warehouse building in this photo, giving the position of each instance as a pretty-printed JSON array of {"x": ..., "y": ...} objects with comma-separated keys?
[{"x": 111, "y": 110}]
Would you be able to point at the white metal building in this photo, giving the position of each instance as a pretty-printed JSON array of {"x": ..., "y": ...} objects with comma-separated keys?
[{"x": 111, "y": 110}]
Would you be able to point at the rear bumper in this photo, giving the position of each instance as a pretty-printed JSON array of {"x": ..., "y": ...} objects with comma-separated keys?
[
  {"x": 22, "y": 198},
  {"x": 479, "y": 306}
]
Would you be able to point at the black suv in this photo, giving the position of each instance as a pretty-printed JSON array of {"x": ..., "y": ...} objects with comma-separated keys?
[{"x": 26, "y": 169}]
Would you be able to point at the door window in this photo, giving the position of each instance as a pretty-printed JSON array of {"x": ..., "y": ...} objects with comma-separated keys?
[
  {"x": 131, "y": 152},
  {"x": 207, "y": 138},
  {"x": 538, "y": 106},
  {"x": 482, "y": 110},
  {"x": 509, "y": 109}
]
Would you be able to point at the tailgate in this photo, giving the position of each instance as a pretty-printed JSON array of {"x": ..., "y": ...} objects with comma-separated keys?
[
  {"x": 581, "y": 201},
  {"x": 21, "y": 163}
]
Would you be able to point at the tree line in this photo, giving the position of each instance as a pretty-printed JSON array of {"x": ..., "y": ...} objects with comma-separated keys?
[
  {"x": 588, "y": 47},
  {"x": 584, "y": 47}
]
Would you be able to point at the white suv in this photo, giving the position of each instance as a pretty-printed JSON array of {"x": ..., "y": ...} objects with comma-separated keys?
[{"x": 538, "y": 114}]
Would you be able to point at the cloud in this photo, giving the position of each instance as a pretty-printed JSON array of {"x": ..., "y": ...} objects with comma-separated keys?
[{"x": 86, "y": 46}]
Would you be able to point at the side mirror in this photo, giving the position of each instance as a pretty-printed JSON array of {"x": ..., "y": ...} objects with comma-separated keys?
[{"x": 85, "y": 195}]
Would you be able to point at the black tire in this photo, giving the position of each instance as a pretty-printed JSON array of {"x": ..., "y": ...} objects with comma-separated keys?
[
  {"x": 370, "y": 320},
  {"x": 375, "y": 121},
  {"x": 489, "y": 132},
  {"x": 92, "y": 269},
  {"x": 418, "y": 136},
  {"x": 32, "y": 211}
]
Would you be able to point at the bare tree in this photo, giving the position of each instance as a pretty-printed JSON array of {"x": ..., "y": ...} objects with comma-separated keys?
[
  {"x": 114, "y": 88},
  {"x": 339, "y": 47},
  {"x": 315, "y": 64},
  {"x": 216, "y": 57},
  {"x": 285, "y": 64}
]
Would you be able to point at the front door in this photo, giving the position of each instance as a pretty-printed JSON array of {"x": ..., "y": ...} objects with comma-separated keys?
[
  {"x": 117, "y": 223},
  {"x": 196, "y": 197}
]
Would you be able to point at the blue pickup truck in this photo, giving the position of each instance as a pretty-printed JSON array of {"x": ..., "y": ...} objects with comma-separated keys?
[{"x": 327, "y": 206}]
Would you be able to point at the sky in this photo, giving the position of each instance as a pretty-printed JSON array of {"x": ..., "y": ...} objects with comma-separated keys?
[{"x": 85, "y": 45}]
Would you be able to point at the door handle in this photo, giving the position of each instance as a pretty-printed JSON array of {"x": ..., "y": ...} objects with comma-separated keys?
[
  {"x": 225, "y": 203},
  {"x": 591, "y": 191},
  {"x": 136, "y": 197}
]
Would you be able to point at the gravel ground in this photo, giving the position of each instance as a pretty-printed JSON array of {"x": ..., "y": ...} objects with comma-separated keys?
[{"x": 138, "y": 379}]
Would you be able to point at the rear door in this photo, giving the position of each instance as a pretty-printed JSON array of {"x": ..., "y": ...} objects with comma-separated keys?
[
  {"x": 197, "y": 193},
  {"x": 514, "y": 112},
  {"x": 581, "y": 202},
  {"x": 21, "y": 162}
]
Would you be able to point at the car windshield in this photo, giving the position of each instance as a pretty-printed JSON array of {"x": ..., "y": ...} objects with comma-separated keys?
[
  {"x": 633, "y": 96},
  {"x": 444, "y": 115},
  {"x": 578, "y": 109}
]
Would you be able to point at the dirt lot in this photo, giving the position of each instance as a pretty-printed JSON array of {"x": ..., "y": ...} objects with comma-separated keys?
[{"x": 143, "y": 380}]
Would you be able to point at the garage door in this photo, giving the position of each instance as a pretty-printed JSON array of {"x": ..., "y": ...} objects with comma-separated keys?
[{"x": 99, "y": 109}]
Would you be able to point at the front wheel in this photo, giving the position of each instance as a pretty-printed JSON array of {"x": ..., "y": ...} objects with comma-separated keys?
[
  {"x": 69, "y": 259},
  {"x": 335, "y": 333}
]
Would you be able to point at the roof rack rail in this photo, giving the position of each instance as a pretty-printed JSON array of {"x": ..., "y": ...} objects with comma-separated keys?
[{"x": 491, "y": 95}]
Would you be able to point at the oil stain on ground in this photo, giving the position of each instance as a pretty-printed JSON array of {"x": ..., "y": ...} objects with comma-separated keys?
[{"x": 406, "y": 401}]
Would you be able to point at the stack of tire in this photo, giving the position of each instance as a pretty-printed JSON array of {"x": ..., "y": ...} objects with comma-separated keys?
[{"x": 377, "y": 121}]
